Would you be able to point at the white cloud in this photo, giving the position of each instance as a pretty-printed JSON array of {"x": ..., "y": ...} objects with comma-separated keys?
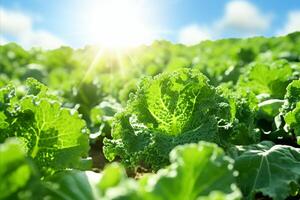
[
  {"x": 14, "y": 23},
  {"x": 193, "y": 34},
  {"x": 292, "y": 24},
  {"x": 244, "y": 18},
  {"x": 241, "y": 18},
  {"x": 19, "y": 26},
  {"x": 41, "y": 38}
]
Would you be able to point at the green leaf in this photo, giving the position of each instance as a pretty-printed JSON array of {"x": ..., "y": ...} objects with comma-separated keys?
[
  {"x": 112, "y": 175},
  {"x": 292, "y": 119},
  {"x": 15, "y": 170},
  {"x": 168, "y": 110},
  {"x": 169, "y": 102},
  {"x": 287, "y": 121},
  {"x": 267, "y": 168},
  {"x": 243, "y": 108},
  {"x": 68, "y": 185},
  {"x": 270, "y": 108},
  {"x": 292, "y": 96},
  {"x": 20, "y": 180},
  {"x": 271, "y": 79},
  {"x": 197, "y": 171},
  {"x": 102, "y": 116},
  {"x": 54, "y": 136}
]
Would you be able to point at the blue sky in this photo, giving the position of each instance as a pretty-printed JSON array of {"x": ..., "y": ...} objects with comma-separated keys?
[{"x": 40, "y": 22}]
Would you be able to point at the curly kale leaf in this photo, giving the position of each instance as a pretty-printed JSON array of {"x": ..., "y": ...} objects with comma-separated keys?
[
  {"x": 197, "y": 171},
  {"x": 166, "y": 111},
  {"x": 243, "y": 109},
  {"x": 53, "y": 135},
  {"x": 292, "y": 120},
  {"x": 287, "y": 121},
  {"x": 270, "y": 169},
  {"x": 292, "y": 96}
]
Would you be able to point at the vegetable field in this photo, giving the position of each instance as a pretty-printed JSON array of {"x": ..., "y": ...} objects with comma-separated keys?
[{"x": 215, "y": 121}]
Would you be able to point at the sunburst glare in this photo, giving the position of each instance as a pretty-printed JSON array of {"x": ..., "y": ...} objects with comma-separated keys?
[{"x": 118, "y": 24}]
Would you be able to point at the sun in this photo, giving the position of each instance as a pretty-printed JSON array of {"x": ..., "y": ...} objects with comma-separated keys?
[{"x": 118, "y": 24}]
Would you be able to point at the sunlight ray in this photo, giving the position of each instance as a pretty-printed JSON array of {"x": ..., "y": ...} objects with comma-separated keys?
[{"x": 91, "y": 67}]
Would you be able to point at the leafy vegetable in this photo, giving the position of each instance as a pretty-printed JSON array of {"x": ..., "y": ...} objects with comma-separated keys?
[
  {"x": 70, "y": 185},
  {"x": 292, "y": 96},
  {"x": 197, "y": 171},
  {"x": 271, "y": 169},
  {"x": 288, "y": 119},
  {"x": 228, "y": 92},
  {"x": 292, "y": 119},
  {"x": 171, "y": 109},
  {"x": 271, "y": 79},
  {"x": 20, "y": 179},
  {"x": 208, "y": 174},
  {"x": 243, "y": 112},
  {"x": 53, "y": 135}
]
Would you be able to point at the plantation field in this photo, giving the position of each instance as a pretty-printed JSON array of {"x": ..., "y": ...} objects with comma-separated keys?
[{"x": 219, "y": 120}]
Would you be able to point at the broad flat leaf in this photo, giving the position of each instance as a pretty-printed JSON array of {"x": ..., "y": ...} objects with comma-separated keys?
[
  {"x": 68, "y": 185},
  {"x": 268, "y": 168}
]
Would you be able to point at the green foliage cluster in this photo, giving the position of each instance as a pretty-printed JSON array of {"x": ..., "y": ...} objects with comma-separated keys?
[{"x": 215, "y": 121}]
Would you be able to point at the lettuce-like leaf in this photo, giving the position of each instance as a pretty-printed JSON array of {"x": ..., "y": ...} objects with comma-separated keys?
[
  {"x": 270, "y": 169},
  {"x": 168, "y": 110},
  {"x": 54, "y": 136},
  {"x": 271, "y": 79},
  {"x": 197, "y": 171}
]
